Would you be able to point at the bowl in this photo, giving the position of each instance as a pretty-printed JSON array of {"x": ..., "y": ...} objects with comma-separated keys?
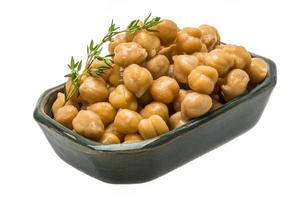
[{"x": 146, "y": 160}]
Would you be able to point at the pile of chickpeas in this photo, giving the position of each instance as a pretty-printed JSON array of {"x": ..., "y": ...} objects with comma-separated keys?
[{"x": 158, "y": 82}]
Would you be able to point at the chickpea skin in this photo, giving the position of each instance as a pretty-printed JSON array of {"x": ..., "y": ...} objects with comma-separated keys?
[
  {"x": 202, "y": 79},
  {"x": 209, "y": 36},
  {"x": 195, "y": 105},
  {"x": 137, "y": 79},
  {"x": 132, "y": 138},
  {"x": 104, "y": 110},
  {"x": 116, "y": 76},
  {"x": 121, "y": 97},
  {"x": 121, "y": 38},
  {"x": 127, "y": 121},
  {"x": 257, "y": 70},
  {"x": 109, "y": 138},
  {"x": 65, "y": 115},
  {"x": 164, "y": 89},
  {"x": 236, "y": 84},
  {"x": 149, "y": 41},
  {"x": 189, "y": 40},
  {"x": 158, "y": 66},
  {"x": 183, "y": 65},
  {"x": 152, "y": 127},
  {"x": 156, "y": 108},
  {"x": 166, "y": 31},
  {"x": 88, "y": 124},
  {"x": 129, "y": 53},
  {"x": 240, "y": 55},
  {"x": 93, "y": 90},
  {"x": 177, "y": 103},
  {"x": 176, "y": 120}
]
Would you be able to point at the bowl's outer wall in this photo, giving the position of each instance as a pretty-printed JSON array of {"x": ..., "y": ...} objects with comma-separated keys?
[{"x": 142, "y": 165}]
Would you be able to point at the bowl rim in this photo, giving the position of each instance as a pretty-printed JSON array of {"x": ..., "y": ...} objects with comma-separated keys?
[{"x": 41, "y": 117}]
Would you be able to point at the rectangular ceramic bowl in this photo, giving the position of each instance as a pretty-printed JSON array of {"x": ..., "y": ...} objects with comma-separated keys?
[{"x": 149, "y": 159}]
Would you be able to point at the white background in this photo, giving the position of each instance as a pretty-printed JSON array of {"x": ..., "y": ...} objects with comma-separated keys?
[{"x": 37, "y": 39}]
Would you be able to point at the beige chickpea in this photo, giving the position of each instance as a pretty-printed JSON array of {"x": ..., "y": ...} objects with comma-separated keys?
[
  {"x": 189, "y": 40},
  {"x": 65, "y": 115},
  {"x": 164, "y": 89},
  {"x": 100, "y": 63},
  {"x": 195, "y": 105},
  {"x": 88, "y": 124},
  {"x": 93, "y": 90},
  {"x": 169, "y": 51},
  {"x": 202, "y": 79},
  {"x": 166, "y": 31},
  {"x": 257, "y": 70},
  {"x": 236, "y": 84},
  {"x": 127, "y": 121},
  {"x": 69, "y": 87},
  {"x": 176, "y": 120},
  {"x": 121, "y": 97},
  {"x": 209, "y": 36},
  {"x": 60, "y": 102},
  {"x": 104, "y": 110},
  {"x": 158, "y": 66},
  {"x": 132, "y": 138},
  {"x": 201, "y": 57},
  {"x": 177, "y": 103},
  {"x": 112, "y": 129},
  {"x": 109, "y": 138},
  {"x": 116, "y": 76},
  {"x": 137, "y": 79},
  {"x": 129, "y": 35},
  {"x": 152, "y": 127},
  {"x": 148, "y": 41},
  {"x": 129, "y": 53},
  {"x": 120, "y": 38},
  {"x": 156, "y": 108},
  {"x": 241, "y": 56},
  {"x": 183, "y": 65},
  {"x": 171, "y": 71},
  {"x": 219, "y": 60}
]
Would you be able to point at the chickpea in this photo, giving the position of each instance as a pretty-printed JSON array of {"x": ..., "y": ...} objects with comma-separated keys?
[
  {"x": 127, "y": 121},
  {"x": 129, "y": 53},
  {"x": 112, "y": 129},
  {"x": 177, "y": 103},
  {"x": 93, "y": 90},
  {"x": 109, "y": 138},
  {"x": 70, "y": 87},
  {"x": 166, "y": 31},
  {"x": 60, "y": 102},
  {"x": 121, "y": 97},
  {"x": 65, "y": 115},
  {"x": 130, "y": 35},
  {"x": 145, "y": 99},
  {"x": 202, "y": 79},
  {"x": 88, "y": 124},
  {"x": 158, "y": 66},
  {"x": 164, "y": 89},
  {"x": 189, "y": 40},
  {"x": 149, "y": 41},
  {"x": 257, "y": 70},
  {"x": 209, "y": 36},
  {"x": 236, "y": 84},
  {"x": 201, "y": 57},
  {"x": 116, "y": 76},
  {"x": 132, "y": 138},
  {"x": 120, "y": 38},
  {"x": 171, "y": 71},
  {"x": 137, "y": 79},
  {"x": 99, "y": 63},
  {"x": 195, "y": 105},
  {"x": 183, "y": 65},
  {"x": 152, "y": 127},
  {"x": 240, "y": 55},
  {"x": 176, "y": 120},
  {"x": 219, "y": 60},
  {"x": 169, "y": 51},
  {"x": 156, "y": 108},
  {"x": 104, "y": 110}
]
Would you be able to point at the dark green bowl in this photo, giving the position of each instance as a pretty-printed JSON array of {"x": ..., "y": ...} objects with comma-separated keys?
[{"x": 149, "y": 159}]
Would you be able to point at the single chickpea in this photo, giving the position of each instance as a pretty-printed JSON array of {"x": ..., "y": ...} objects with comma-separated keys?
[
  {"x": 112, "y": 129},
  {"x": 209, "y": 36},
  {"x": 149, "y": 41},
  {"x": 152, "y": 127},
  {"x": 60, "y": 102},
  {"x": 164, "y": 89},
  {"x": 169, "y": 51},
  {"x": 132, "y": 138},
  {"x": 257, "y": 70},
  {"x": 121, "y": 97},
  {"x": 120, "y": 38},
  {"x": 195, "y": 105},
  {"x": 202, "y": 79},
  {"x": 176, "y": 120},
  {"x": 104, "y": 110},
  {"x": 189, "y": 40},
  {"x": 109, "y": 138},
  {"x": 236, "y": 84},
  {"x": 156, "y": 108},
  {"x": 93, "y": 90},
  {"x": 88, "y": 124},
  {"x": 116, "y": 76},
  {"x": 100, "y": 63},
  {"x": 201, "y": 57},
  {"x": 129, "y": 35},
  {"x": 166, "y": 31},
  {"x": 183, "y": 65},
  {"x": 158, "y": 66},
  {"x": 137, "y": 79},
  {"x": 145, "y": 99},
  {"x": 219, "y": 60},
  {"x": 127, "y": 121},
  {"x": 129, "y": 53},
  {"x": 177, "y": 103},
  {"x": 65, "y": 115},
  {"x": 69, "y": 87},
  {"x": 240, "y": 55}
]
